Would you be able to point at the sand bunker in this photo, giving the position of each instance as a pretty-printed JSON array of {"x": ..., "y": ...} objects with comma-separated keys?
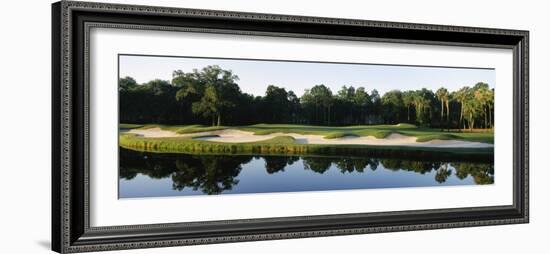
[
  {"x": 155, "y": 133},
  {"x": 238, "y": 136}
]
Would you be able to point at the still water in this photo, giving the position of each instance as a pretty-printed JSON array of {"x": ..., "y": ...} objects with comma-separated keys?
[{"x": 159, "y": 175}]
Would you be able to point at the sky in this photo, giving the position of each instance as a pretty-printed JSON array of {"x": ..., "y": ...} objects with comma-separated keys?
[{"x": 256, "y": 75}]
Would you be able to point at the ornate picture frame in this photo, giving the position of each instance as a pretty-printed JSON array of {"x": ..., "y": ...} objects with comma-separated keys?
[{"x": 71, "y": 229}]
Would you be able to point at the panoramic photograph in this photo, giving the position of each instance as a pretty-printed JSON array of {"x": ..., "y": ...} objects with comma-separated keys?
[{"x": 211, "y": 126}]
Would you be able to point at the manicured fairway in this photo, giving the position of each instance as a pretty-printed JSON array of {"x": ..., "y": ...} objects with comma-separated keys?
[
  {"x": 285, "y": 144},
  {"x": 378, "y": 131}
]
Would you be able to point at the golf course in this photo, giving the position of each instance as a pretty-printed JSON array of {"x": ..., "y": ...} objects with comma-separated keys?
[
  {"x": 192, "y": 126},
  {"x": 400, "y": 139},
  {"x": 206, "y": 112}
]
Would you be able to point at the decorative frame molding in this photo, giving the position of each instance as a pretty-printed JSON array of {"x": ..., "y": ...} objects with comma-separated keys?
[{"x": 71, "y": 22}]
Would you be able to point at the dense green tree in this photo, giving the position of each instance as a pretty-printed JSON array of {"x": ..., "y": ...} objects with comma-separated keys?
[
  {"x": 392, "y": 102},
  {"x": 376, "y": 106},
  {"x": 216, "y": 88},
  {"x": 126, "y": 84},
  {"x": 443, "y": 97},
  {"x": 471, "y": 109},
  {"x": 484, "y": 98},
  {"x": 209, "y": 105},
  {"x": 362, "y": 100},
  {"x": 422, "y": 100},
  {"x": 323, "y": 94},
  {"x": 461, "y": 96},
  {"x": 320, "y": 96},
  {"x": 276, "y": 105},
  {"x": 310, "y": 107},
  {"x": 490, "y": 105},
  {"x": 212, "y": 95},
  {"x": 294, "y": 107},
  {"x": 346, "y": 100},
  {"x": 408, "y": 101}
]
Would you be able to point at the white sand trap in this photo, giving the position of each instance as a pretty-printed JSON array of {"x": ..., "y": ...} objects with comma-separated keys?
[
  {"x": 231, "y": 136},
  {"x": 155, "y": 133},
  {"x": 238, "y": 136}
]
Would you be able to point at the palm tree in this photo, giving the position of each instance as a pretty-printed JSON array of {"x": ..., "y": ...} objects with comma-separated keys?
[
  {"x": 471, "y": 108},
  {"x": 479, "y": 96},
  {"x": 408, "y": 98},
  {"x": 491, "y": 105},
  {"x": 419, "y": 105},
  {"x": 484, "y": 97},
  {"x": 422, "y": 100},
  {"x": 443, "y": 96},
  {"x": 461, "y": 96}
]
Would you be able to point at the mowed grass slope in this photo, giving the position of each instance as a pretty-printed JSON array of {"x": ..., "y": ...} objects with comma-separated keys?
[
  {"x": 179, "y": 129},
  {"x": 331, "y": 132},
  {"x": 287, "y": 145},
  {"x": 378, "y": 131}
]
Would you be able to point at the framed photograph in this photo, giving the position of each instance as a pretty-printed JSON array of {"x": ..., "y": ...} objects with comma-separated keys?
[{"x": 182, "y": 126}]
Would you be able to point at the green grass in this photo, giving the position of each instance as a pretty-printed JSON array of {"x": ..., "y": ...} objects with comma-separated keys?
[
  {"x": 286, "y": 145},
  {"x": 263, "y": 132},
  {"x": 377, "y": 131},
  {"x": 425, "y": 138},
  {"x": 427, "y": 134},
  {"x": 180, "y": 129},
  {"x": 329, "y": 132},
  {"x": 340, "y": 134},
  {"x": 279, "y": 140},
  {"x": 197, "y": 128},
  {"x": 278, "y": 145},
  {"x": 129, "y": 126},
  {"x": 205, "y": 136}
]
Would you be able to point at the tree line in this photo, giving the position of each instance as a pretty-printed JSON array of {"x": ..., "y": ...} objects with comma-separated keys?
[{"x": 212, "y": 96}]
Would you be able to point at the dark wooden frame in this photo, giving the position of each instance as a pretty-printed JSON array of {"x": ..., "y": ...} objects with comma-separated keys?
[{"x": 71, "y": 22}]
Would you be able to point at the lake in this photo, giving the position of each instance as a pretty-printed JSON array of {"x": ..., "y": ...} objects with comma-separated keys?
[{"x": 143, "y": 174}]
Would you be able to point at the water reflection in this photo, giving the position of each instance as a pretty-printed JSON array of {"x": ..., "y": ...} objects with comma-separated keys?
[{"x": 149, "y": 174}]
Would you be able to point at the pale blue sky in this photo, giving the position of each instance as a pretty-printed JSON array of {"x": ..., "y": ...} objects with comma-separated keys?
[{"x": 255, "y": 75}]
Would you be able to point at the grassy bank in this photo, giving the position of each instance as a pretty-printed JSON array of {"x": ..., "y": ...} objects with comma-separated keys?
[
  {"x": 331, "y": 132},
  {"x": 286, "y": 145}
]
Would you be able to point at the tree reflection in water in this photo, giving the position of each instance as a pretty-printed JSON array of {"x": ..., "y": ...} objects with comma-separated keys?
[
  {"x": 214, "y": 174},
  {"x": 274, "y": 164},
  {"x": 345, "y": 165},
  {"x": 481, "y": 176},
  {"x": 210, "y": 174}
]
